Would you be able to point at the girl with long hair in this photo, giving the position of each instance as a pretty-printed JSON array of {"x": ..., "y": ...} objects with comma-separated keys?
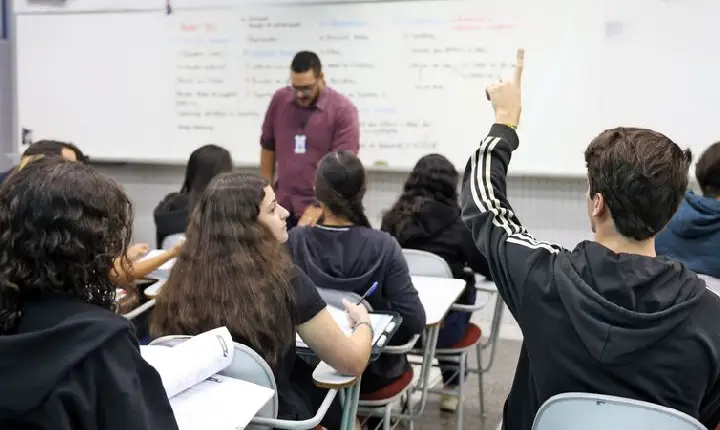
[
  {"x": 426, "y": 217},
  {"x": 172, "y": 213},
  {"x": 343, "y": 252},
  {"x": 233, "y": 271}
]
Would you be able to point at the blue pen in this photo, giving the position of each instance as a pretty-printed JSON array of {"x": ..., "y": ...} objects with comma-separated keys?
[{"x": 368, "y": 292}]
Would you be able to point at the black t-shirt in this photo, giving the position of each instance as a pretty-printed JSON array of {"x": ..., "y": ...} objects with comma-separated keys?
[{"x": 293, "y": 401}]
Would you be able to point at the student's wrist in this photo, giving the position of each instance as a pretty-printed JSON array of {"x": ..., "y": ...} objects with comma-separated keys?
[
  {"x": 364, "y": 323},
  {"x": 508, "y": 119}
]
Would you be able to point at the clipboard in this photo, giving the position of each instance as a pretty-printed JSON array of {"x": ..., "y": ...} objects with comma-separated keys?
[{"x": 385, "y": 325}]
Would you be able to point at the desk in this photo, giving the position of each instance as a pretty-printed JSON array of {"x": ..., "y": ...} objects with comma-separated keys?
[
  {"x": 437, "y": 295},
  {"x": 152, "y": 291},
  {"x": 325, "y": 376}
]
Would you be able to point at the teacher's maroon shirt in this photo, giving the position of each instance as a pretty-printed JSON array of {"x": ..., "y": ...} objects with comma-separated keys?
[{"x": 330, "y": 125}]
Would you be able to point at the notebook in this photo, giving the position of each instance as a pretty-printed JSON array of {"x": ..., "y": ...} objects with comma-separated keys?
[{"x": 380, "y": 322}]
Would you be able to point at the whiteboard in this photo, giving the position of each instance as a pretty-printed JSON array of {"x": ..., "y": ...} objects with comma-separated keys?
[
  {"x": 101, "y": 81},
  {"x": 415, "y": 70},
  {"x": 74, "y": 6}
]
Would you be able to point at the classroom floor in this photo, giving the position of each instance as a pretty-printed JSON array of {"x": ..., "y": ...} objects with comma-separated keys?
[{"x": 497, "y": 384}]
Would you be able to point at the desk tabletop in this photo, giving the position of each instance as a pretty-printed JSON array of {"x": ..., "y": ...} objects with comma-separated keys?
[
  {"x": 327, "y": 377},
  {"x": 153, "y": 290},
  {"x": 437, "y": 295}
]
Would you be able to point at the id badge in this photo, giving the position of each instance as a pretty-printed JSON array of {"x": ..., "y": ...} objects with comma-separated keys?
[{"x": 300, "y": 144}]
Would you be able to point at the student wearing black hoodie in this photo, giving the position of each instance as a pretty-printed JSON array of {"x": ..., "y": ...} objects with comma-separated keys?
[
  {"x": 693, "y": 234},
  {"x": 344, "y": 253},
  {"x": 171, "y": 214},
  {"x": 67, "y": 361},
  {"x": 426, "y": 217},
  {"x": 608, "y": 317}
]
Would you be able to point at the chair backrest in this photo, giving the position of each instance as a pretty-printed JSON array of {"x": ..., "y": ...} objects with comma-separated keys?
[
  {"x": 172, "y": 240},
  {"x": 712, "y": 283},
  {"x": 572, "y": 411},
  {"x": 423, "y": 263},
  {"x": 247, "y": 365},
  {"x": 335, "y": 297}
]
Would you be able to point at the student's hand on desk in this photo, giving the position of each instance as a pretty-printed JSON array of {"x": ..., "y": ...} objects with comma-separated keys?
[
  {"x": 355, "y": 313},
  {"x": 505, "y": 95},
  {"x": 135, "y": 251},
  {"x": 310, "y": 217}
]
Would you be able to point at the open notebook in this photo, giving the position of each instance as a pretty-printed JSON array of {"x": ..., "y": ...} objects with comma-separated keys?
[
  {"x": 200, "y": 398},
  {"x": 381, "y": 323}
]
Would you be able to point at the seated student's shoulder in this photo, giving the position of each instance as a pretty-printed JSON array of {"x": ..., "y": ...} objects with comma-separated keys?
[{"x": 307, "y": 301}]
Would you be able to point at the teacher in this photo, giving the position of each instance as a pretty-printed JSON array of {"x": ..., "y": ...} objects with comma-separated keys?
[{"x": 304, "y": 121}]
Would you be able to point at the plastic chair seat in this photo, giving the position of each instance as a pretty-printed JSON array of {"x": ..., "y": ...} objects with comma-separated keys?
[
  {"x": 391, "y": 390},
  {"x": 473, "y": 333}
]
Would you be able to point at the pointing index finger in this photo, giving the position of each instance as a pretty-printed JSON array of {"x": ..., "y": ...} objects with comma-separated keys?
[{"x": 519, "y": 65}]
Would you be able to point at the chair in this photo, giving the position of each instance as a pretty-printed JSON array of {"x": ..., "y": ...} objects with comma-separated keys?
[
  {"x": 248, "y": 366},
  {"x": 423, "y": 263},
  {"x": 145, "y": 307},
  {"x": 712, "y": 283},
  {"x": 572, "y": 411},
  {"x": 385, "y": 398},
  {"x": 172, "y": 240}
]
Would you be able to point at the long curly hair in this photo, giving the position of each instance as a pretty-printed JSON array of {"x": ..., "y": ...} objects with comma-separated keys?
[
  {"x": 231, "y": 272},
  {"x": 340, "y": 185},
  {"x": 62, "y": 225},
  {"x": 433, "y": 178}
]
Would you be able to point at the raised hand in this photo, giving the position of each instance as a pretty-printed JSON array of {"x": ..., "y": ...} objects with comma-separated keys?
[{"x": 505, "y": 96}]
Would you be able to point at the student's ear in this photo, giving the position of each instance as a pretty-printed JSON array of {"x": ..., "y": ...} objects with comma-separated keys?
[{"x": 598, "y": 205}]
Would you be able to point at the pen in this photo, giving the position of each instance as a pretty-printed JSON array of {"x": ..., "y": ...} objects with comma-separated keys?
[{"x": 368, "y": 292}]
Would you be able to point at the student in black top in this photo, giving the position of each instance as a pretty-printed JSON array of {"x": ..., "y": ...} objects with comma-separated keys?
[
  {"x": 54, "y": 148},
  {"x": 608, "y": 317},
  {"x": 344, "y": 253},
  {"x": 171, "y": 214},
  {"x": 234, "y": 272},
  {"x": 426, "y": 217},
  {"x": 67, "y": 361}
]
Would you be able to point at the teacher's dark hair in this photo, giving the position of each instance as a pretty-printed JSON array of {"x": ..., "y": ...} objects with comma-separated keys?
[
  {"x": 204, "y": 164},
  {"x": 306, "y": 60},
  {"x": 62, "y": 225},
  {"x": 433, "y": 178},
  {"x": 340, "y": 186}
]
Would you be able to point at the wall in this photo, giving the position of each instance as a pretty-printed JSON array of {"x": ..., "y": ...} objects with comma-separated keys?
[
  {"x": 552, "y": 209},
  {"x": 6, "y": 96}
]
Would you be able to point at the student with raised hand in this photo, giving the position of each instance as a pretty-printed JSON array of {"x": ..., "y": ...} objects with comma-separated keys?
[
  {"x": 234, "y": 272},
  {"x": 609, "y": 317},
  {"x": 67, "y": 361},
  {"x": 344, "y": 253},
  {"x": 172, "y": 213},
  {"x": 693, "y": 234},
  {"x": 426, "y": 217}
]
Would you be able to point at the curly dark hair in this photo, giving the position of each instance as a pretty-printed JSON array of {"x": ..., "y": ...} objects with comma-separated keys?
[
  {"x": 231, "y": 272},
  {"x": 62, "y": 225},
  {"x": 641, "y": 174},
  {"x": 433, "y": 178},
  {"x": 340, "y": 185}
]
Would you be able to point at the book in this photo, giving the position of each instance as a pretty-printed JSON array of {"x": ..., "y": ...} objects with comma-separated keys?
[
  {"x": 380, "y": 323},
  {"x": 199, "y": 396}
]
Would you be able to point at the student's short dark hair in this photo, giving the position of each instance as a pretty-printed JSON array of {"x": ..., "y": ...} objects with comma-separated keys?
[
  {"x": 707, "y": 171},
  {"x": 642, "y": 175},
  {"x": 306, "y": 60},
  {"x": 54, "y": 148}
]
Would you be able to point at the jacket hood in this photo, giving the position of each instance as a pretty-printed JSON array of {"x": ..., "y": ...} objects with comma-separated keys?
[
  {"x": 36, "y": 359},
  {"x": 697, "y": 216},
  {"x": 622, "y": 304},
  {"x": 346, "y": 259},
  {"x": 431, "y": 219}
]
